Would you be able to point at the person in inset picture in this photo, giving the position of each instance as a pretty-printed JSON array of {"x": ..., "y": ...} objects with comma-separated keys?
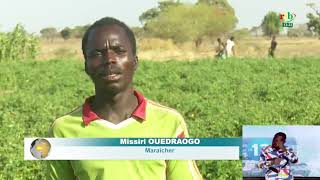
[
  {"x": 118, "y": 110},
  {"x": 230, "y": 47},
  {"x": 276, "y": 159},
  {"x": 220, "y": 49},
  {"x": 273, "y": 47}
]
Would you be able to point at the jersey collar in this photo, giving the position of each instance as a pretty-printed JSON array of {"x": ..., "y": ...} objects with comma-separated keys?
[{"x": 140, "y": 112}]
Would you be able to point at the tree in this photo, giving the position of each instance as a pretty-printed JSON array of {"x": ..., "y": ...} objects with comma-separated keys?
[
  {"x": 155, "y": 12},
  {"x": 218, "y": 3},
  {"x": 65, "y": 33},
  {"x": 78, "y": 31},
  {"x": 271, "y": 24},
  {"x": 149, "y": 15},
  {"x": 314, "y": 20},
  {"x": 49, "y": 33},
  {"x": 138, "y": 31},
  {"x": 185, "y": 22}
]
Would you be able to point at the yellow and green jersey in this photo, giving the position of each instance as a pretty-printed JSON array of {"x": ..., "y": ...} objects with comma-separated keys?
[{"x": 148, "y": 120}]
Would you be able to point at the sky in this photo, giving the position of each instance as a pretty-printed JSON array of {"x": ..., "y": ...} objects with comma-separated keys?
[{"x": 38, "y": 14}]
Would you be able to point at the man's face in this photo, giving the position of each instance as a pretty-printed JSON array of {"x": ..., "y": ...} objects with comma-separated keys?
[
  {"x": 278, "y": 142},
  {"x": 110, "y": 62}
]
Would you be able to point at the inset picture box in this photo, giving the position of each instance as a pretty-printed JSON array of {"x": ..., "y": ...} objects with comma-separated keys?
[{"x": 281, "y": 152}]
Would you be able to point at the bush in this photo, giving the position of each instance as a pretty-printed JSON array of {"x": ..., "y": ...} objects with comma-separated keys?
[{"x": 18, "y": 45}]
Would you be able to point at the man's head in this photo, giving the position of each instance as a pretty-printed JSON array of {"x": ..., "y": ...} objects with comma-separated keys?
[
  {"x": 219, "y": 40},
  {"x": 278, "y": 140},
  {"x": 109, "y": 50},
  {"x": 232, "y": 38},
  {"x": 273, "y": 37}
]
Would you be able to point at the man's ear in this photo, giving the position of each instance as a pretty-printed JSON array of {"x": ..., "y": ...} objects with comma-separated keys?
[{"x": 135, "y": 61}]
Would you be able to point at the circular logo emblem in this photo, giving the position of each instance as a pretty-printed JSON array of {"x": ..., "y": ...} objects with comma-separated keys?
[{"x": 40, "y": 148}]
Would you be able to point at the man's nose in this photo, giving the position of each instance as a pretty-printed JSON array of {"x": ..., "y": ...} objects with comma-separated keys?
[{"x": 109, "y": 57}]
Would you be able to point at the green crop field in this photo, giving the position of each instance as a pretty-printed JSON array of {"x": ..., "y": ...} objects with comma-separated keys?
[{"x": 215, "y": 97}]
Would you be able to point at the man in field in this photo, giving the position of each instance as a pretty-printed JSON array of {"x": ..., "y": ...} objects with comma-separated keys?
[
  {"x": 230, "y": 47},
  {"x": 220, "y": 50},
  {"x": 276, "y": 159},
  {"x": 118, "y": 110},
  {"x": 273, "y": 47}
]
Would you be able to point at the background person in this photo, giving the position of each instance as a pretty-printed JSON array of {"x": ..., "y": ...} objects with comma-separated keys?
[
  {"x": 220, "y": 50},
  {"x": 230, "y": 47},
  {"x": 273, "y": 47}
]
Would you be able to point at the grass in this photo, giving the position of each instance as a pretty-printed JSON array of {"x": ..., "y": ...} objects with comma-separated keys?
[{"x": 215, "y": 97}]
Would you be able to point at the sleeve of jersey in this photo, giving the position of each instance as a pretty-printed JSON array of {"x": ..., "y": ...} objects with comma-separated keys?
[
  {"x": 182, "y": 169},
  {"x": 58, "y": 169},
  {"x": 292, "y": 156},
  {"x": 262, "y": 161}
]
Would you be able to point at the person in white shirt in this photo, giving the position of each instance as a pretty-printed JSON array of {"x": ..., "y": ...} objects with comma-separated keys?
[{"x": 230, "y": 47}]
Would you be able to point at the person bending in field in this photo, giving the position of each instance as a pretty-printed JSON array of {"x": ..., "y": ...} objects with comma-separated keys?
[
  {"x": 276, "y": 159},
  {"x": 273, "y": 47},
  {"x": 220, "y": 50},
  {"x": 118, "y": 110}
]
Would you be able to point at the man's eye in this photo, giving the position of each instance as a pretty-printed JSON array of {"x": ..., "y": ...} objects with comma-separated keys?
[
  {"x": 95, "y": 54},
  {"x": 119, "y": 50}
]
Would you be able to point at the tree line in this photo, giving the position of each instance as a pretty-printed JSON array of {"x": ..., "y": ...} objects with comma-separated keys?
[
  {"x": 66, "y": 33},
  {"x": 205, "y": 19}
]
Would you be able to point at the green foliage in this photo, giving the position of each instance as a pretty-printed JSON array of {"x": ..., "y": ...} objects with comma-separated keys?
[
  {"x": 314, "y": 20},
  {"x": 314, "y": 23},
  {"x": 65, "y": 33},
  {"x": 153, "y": 13},
  {"x": 18, "y": 45},
  {"x": 271, "y": 24},
  {"x": 149, "y": 15},
  {"x": 218, "y": 3},
  {"x": 215, "y": 97},
  {"x": 138, "y": 32},
  {"x": 49, "y": 33},
  {"x": 191, "y": 22}
]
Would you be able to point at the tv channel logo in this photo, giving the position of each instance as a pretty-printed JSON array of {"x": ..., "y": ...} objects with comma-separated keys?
[{"x": 287, "y": 19}]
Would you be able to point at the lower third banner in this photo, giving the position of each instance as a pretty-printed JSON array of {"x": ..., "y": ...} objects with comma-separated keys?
[{"x": 132, "y": 148}]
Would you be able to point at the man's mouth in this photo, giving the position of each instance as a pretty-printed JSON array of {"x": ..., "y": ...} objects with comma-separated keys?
[
  {"x": 109, "y": 74},
  {"x": 112, "y": 77}
]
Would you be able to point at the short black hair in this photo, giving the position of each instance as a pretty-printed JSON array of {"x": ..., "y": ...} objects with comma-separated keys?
[
  {"x": 107, "y": 21},
  {"x": 283, "y": 135}
]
